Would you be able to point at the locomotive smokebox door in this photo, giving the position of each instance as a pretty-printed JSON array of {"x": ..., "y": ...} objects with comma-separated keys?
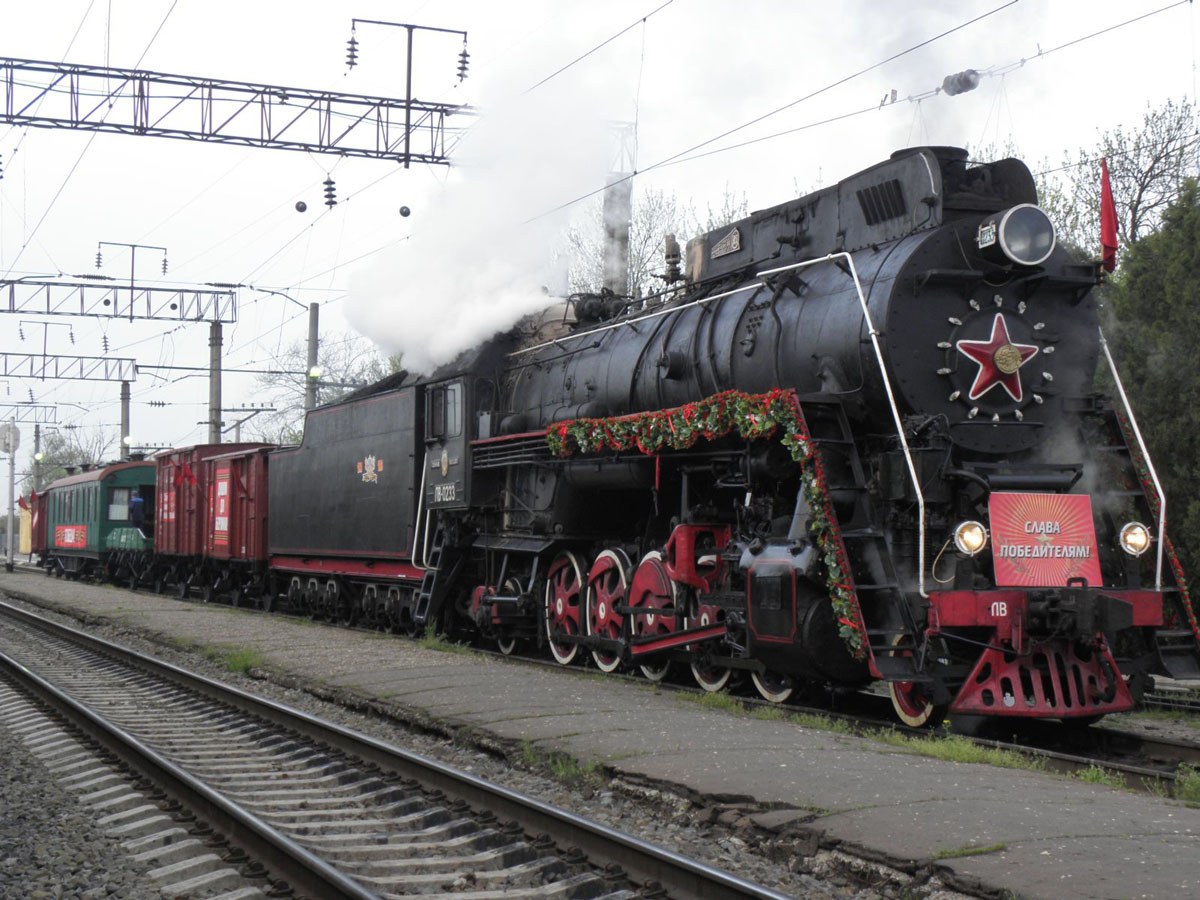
[{"x": 446, "y": 469}]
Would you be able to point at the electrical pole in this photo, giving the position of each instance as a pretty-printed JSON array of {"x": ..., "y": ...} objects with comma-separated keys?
[
  {"x": 310, "y": 373},
  {"x": 37, "y": 458},
  {"x": 12, "y": 439},
  {"x": 124, "y": 420},
  {"x": 214, "y": 383}
]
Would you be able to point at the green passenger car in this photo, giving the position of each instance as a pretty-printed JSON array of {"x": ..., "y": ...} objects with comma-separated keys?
[{"x": 91, "y": 528}]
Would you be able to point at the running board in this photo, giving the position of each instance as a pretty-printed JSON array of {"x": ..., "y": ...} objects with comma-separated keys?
[{"x": 640, "y": 647}]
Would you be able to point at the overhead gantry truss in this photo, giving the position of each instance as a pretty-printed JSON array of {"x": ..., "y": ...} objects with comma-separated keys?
[
  {"x": 78, "y": 368},
  {"x": 47, "y": 94},
  {"x": 51, "y": 297},
  {"x": 32, "y": 413}
]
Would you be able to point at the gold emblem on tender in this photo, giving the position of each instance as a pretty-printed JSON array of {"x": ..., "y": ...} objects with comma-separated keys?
[
  {"x": 1007, "y": 359},
  {"x": 445, "y": 463}
]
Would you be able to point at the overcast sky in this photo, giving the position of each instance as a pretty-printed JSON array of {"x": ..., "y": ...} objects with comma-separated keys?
[{"x": 692, "y": 71}]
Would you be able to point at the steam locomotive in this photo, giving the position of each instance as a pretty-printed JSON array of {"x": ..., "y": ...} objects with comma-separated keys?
[{"x": 854, "y": 439}]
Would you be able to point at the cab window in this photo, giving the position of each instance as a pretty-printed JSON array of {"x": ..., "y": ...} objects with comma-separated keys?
[{"x": 444, "y": 411}]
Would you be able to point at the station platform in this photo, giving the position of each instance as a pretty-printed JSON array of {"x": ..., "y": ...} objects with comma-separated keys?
[{"x": 1061, "y": 839}]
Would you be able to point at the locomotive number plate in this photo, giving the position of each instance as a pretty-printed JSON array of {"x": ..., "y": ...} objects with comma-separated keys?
[{"x": 444, "y": 493}]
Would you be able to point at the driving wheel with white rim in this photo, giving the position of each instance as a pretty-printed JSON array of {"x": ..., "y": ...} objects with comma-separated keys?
[
  {"x": 563, "y": 607},
  {"x": 710, "y": 677},
  {"x": 652, "y": 590},
  {"x": 772, "y": 686},
  {"x": 607, "y": 588},
  {"x": 911, "y": 699}
]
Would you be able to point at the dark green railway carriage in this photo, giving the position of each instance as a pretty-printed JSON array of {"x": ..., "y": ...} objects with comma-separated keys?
[{"x": 88, "y": 527}]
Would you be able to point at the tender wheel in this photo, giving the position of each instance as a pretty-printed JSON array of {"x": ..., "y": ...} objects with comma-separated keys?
[
  {"x": 181, "y": 589},
  {"x": 772, "y": 686},
  {"x": 159, "y": 584},
  {"x": 564, "y": 592},
  {"x": 206, "y": 594},
  {"x": 235, "y": 597},
  {"x": 652, "y": 590},
  {"x": 607, "y": 588},
  {"x": 911, "y": 700},
  {"x": 711, "y": 678}
]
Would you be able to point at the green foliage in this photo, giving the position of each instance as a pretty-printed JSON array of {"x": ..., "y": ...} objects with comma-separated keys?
[
  {"x": 1187, "y": 785},
  {"x": 235, "y": 659},
  {"x": 1095, "y": 774},
  {"x": 1154, "y": 329}
]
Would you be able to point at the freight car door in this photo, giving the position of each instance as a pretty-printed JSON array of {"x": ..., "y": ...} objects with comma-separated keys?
[{"x": 446, "y": 469}]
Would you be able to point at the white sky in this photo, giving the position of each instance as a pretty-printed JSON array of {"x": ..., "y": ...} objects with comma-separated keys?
[{"x": 694, "y": 70}]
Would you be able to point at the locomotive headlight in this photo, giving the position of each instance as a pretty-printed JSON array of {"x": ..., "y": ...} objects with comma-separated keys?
[
  {"x": 1023, "y": 235},
  {"x": 1135, "y": 538},
  {"x": 970, "y": 538}
]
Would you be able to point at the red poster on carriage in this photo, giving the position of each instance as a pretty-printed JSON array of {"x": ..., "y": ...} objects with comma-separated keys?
[
  {"x": 1042, "y": 540},
  {"x": 70, "y": 536}
]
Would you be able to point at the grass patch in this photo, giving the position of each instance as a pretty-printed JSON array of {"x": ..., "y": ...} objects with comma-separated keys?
[
  {"x": 824, "y": 723},
  {"x": 1170, "y": 716},
  {"x": 434, "y": 640},
  {"x": 236, "y": 659},
  {"x": 1094, "y": 774},
  {"x": 1187, "y": 785},
  {"x": 955, "y": 748},
  {"x": 969, "y": 850},
  {"x": 560, "y": 766}
]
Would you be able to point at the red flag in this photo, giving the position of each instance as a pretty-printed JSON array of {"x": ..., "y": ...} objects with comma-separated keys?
[
  {"x": 21, "y": 502},
  {"x": 1108, "y": 219}
]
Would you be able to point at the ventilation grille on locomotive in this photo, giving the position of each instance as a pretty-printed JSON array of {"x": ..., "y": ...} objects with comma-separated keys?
[{"x": 881, "y": 202}]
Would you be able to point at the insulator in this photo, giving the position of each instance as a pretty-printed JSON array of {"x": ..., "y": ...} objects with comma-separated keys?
[
  {"x": 462, "y": 62},
  {"x": 974, "y": 303},
  {"x": 954, "y": 320},
  {"x": 21, "y": 332},
  {"x": 164, "y": 266},
  {"x": 31, "y": 395},
  {"x": 352, "y": 51},
  {"x": 71, "y": 334},
  {"x": 329, "y": 192},
  {"x": 98, "y": 258},
  {"x": 104, "y": 342},
  {"x": 960, "y": 82}
]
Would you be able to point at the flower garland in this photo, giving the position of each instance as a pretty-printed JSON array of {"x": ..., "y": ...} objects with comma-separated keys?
[
  {"x": 1148, "y": 490},
  {"x": 755, "y": 417}
]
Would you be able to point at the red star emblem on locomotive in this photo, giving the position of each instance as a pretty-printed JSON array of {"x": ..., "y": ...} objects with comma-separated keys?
[{"x": 999, "y": 361}]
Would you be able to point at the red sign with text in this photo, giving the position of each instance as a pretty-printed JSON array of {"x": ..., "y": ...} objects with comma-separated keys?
[
  {"x": 1042, "y": 540},
  {"x": 218, "y": 507},
  {"x": 70, "y": 535}
]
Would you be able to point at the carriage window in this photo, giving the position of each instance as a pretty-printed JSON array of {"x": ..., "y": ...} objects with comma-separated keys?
[{"x": 118, "y": 504}]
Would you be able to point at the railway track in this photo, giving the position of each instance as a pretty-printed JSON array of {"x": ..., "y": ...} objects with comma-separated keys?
[{"x": 330, "y": 812}]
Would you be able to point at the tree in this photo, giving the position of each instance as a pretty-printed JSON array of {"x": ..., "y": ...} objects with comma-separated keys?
[
  {"x": 347, "y": 362},
  {"x": 70, "y": 447},
  {"x": 656, "y": 214},
  {"x": 1146, "y": 166},
  {"x": 1154, "y": 323}
]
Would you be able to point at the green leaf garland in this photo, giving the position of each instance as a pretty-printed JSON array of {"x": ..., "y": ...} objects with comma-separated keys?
[{"x": 754, "y": 417}]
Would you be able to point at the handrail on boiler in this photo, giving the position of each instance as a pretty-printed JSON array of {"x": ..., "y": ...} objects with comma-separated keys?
[
  {"x": 1137, "y": 433},
  {"x": 887, "y": 385}
]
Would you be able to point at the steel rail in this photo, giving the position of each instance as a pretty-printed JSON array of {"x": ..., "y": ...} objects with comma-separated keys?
[
  {"x": 640, "y": 860},
  {"x": 282, "y": 856}
]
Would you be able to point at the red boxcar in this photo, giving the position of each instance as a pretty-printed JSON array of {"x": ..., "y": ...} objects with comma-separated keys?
[
  {"x": 186, "y": 515},
  {"x": 237, "y": 505}
]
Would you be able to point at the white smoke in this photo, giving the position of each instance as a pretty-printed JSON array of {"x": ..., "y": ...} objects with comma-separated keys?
[{"x": 479, "y": 257}]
